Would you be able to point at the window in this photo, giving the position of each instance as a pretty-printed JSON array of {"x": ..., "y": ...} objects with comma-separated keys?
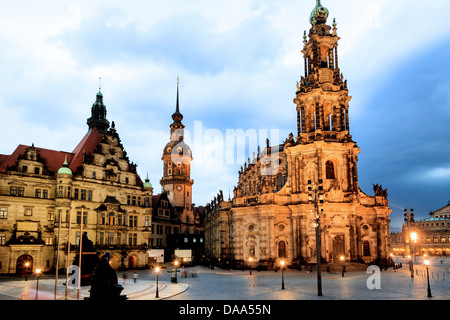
[
  {"x": 48, "y": 241},
  {"x": 45, "y": 194},
  {"x": 185, "y": 240},
  {"x": 60, "y": 191},
  {"x": 168, "y": 230},
  {"x": 75, "y": 195},
  {"x": 20, "y": 191},
  {"x": 2, "y": 239},
  {"x": 36, "y": 170},
  {"x": 110, "y": 237},
  {"x": 119, "y": 238},
  {"x": 13, "y": 191},
  {"x": 68, "y": 192},
  {"x": 111, "y": 218},
  {"x": 159, "y": 229},
  {"x": 93, "y": 174},
  {"x": 147, "y": 202},
  {"x": 103, "y": 218},
  {"x": 102, "y": 238},
  {"x": 89, "y": 195},
  {"x": 133, "y": 221},
  {"x": 24, "y": 168},
  {"x": 132, "y": 239},
  {"x": 50, "y": 216},
  {"x": 28, "y": 212},
  {"x": 147, "y": 221},
  {"x": 119, "y": 219},
  {"x": 3, "y": 213},
  {"x": 329, "y": 167},
  {"x": 79, "y": 217},
  {"x": 83, "y": 194},
  {"x": 37, "y": 193}
]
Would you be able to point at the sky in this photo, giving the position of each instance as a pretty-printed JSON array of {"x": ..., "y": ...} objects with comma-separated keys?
[{"x": 238, "y": 64}]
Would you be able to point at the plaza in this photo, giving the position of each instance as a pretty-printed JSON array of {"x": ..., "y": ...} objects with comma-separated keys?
[{"x": 202, "y": 283}]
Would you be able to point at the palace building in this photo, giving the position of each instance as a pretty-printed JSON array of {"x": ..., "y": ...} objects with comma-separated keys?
[
  {"x": 51, "y": 200},
  {"x": 313, "y": 175}
]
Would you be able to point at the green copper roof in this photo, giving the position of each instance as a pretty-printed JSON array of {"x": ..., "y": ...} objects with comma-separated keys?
[
  {"x": 319, "y": 15},
  {"x": 65, "y": 168},
  {"x": 147, "y": 183}
]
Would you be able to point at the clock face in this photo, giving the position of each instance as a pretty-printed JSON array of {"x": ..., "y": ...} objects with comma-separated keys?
[{"x": 179, "y": 188}]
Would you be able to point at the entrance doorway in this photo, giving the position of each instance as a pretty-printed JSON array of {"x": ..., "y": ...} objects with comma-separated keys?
[
  {"x": 282, "y": 250},
  {"x": 24, "y": 264},
  {"x": 132, "y": 262},
  {"x": 338, "y": 247}
]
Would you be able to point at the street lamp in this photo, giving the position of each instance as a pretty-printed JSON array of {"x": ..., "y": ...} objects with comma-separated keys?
[
  {"x": 342, "y": 259},
  {"x": 282, "y": 274},
  {"x": 157, "y": 272},
  {"x": 27, "y": 264},
  {"x": 409, "y": 220},
  {"x": 317, "y": 226},
  {"x": 414, "y": 240},
  {"x": 175, "y": 279},
  {"x": 427, "y": 263},
  {"x": 250, "y": 265},
  {"x": 38, "y": 271}
]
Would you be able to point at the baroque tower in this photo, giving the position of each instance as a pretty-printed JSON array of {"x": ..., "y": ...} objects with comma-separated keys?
[
  {"x": 176, "y": 181},
  {"x": 275, "y": 214}
]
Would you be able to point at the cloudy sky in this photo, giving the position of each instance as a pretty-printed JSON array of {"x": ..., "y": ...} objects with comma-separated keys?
[{"x": 238, "y": 63}]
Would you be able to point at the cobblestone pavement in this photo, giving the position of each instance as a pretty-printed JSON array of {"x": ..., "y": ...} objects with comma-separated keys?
[{"x": 203, "y": 283}]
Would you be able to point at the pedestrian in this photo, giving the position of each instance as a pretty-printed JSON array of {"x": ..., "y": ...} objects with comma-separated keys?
[
  {"x": 124, "y": 277},
  {"x": 135, "y": 276}
]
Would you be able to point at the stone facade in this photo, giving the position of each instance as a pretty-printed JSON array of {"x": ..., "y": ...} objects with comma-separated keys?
[
  {"x": 286, "y": 189},
  {"x": 433, "y": 235},
  {"x": 50, "y": 198}
]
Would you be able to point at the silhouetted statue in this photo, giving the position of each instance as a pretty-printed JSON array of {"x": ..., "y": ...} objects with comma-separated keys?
[{"x": 104, "y": 281}]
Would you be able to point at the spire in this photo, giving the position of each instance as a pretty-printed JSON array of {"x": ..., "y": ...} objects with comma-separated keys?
[
  {"x": 177, "y": 116},
  {"x": 319, "y": 15},
  {"x": 98, "y": 114}
]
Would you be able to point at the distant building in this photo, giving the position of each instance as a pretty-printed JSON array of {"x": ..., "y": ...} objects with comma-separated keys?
[
  {"x": 272, "y": 215},
  {"x": 433, "y": 235}
]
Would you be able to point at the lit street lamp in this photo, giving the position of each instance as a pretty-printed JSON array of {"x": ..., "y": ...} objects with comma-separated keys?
[
  {"x": 175, "y": 279},
  {"x": 427, "y": 263},
  {"x": 409, "y": 219},
  {"x": 342, "y": 259},
  {"x": 27, "y": 264},
  {"x": 316, "y": 200},
  {"x": 157, "y": 292},
  {"x": 250, "y": 265},
  {"x": 282, "y": 274},
  {"x": 38, "y": 271}
]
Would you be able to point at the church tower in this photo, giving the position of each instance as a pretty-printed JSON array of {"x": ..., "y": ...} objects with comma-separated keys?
[
  {"x": 98, "y": 115},
  {"x": 176, "y": 181},
  {"x": 327, "y": 152}
]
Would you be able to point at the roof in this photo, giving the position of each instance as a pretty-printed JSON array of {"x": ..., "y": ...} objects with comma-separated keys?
[{"x": 54, "y": 159}]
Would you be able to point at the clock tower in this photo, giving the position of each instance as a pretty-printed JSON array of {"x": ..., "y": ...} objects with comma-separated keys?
[{"x": 176, "y": 181}]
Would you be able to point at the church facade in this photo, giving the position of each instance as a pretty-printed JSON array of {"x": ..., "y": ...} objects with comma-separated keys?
[{"x": 310, "y": 180}]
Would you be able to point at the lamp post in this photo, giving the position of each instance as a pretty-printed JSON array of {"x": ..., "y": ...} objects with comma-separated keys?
[
  {"x": 250, "y": 265},
  {"x": 427, "y": 263},
  {"x": 342, "y": 259},
  {"x": 27, "y": 264},
  {"x": 409, "y": 220},
  {"x": 157, "y": 291},
  {"x": 318, "y": 239},
  {"x": 282, "y": 274},
  {"x": 175, "y": 279},
  {"x": 414, "y": 240},
  {"x": 38, "y": 271}
]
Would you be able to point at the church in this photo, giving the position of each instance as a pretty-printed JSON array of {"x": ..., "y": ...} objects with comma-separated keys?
[{"x": 306, "y": 184}]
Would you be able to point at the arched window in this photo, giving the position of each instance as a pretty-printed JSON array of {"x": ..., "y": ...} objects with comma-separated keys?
[
  {"x": 329, "y": 169},
  {"x": 366, "y": 249},
  {"x": 281, "y": 249}
]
